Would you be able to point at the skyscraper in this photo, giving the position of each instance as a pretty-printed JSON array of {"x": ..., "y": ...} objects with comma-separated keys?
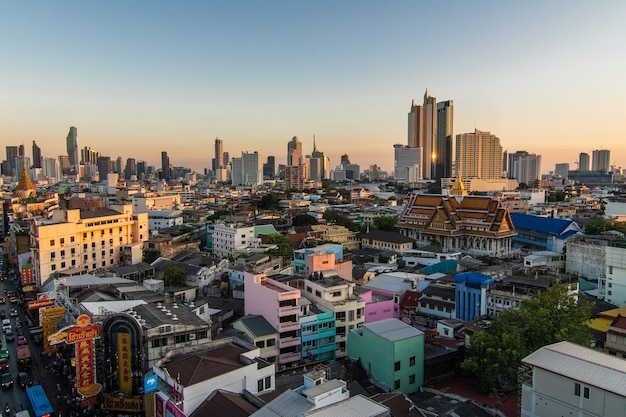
[
  {"x": 445, "y": 133},
  {"x": 294, "y": 152},
  {"x": 141, "y": 170},
  {"x": 406, "y": 161},
  {"x": 601, "y": 160},
  {"x": 583, "y": 161},
  {"x": 104, "y": 167},
  {"x": 247, "y": 170},
  {"x": 269, "y": 168},
  {"x": 528, "y": 169},
  {"x": 219, "y": 154},
  {"x": 165, "y": 166},
  {"x": 324, "y": 168},
  {"x": 11, "y": 155},
  {"x": 36, "y": 156},
  {"x": 422, "y": 132},
  {"x": 561, "y": 170},
  {"x": 72, "y": 147},
  {"x": 131, "y": 168},
  {"x": 478, "y": 155}
]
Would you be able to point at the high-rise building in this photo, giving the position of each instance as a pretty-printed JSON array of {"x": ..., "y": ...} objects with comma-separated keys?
[
  {"x": 269, "y": 168},
  {"x": 561, "y": 170},
  {"x": 20, "y": 151},
  {"x": 528, "y": 169},
  {"x": 247, "y": 170},
  {"x": 104, "y": 167},
  {"x": 219, "y": 154},
  {"x": 324, "y": 168},
  {"x": 444, "y": 151},
  {"x": 11, "y": 159},
  {"x": 345, "y": 160},
  {"x": 513, "y": 164},
  {"x": 131, "y": 168},
  {"x": 295, "y": 177},
  {"x": 422, "y": 132},
  {"x": 165, "y": 166},
  {"x": 478, "y": 155},
  {"x": 294, "y": 152},
  {"x": 89, "y": 156},
  {"x": 141, "y": 170},
  {"x": 601, "y": 160},
  {"x": 51, "y": 168},
  {"x": 36, "y": 156},
  {"x": 407, "y": 163},
  {"x": 314, "y": 168},
  {"x": 583, "y": 161},
  {"x": 72, "y": 147},
  {"x": 64, "y": 164},
  {"x": 119, "y": 166}
]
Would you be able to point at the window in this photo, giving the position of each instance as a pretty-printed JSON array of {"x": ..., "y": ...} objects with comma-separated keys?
[
  {"x": 351, "y": 315},
  {"x": 53, "y": 267},
  {"x": 53, "y": 256},
  {"x": 613, "y": 338},
  {"x": 260, "y": 344},
  {"x": 51, "y": 242},
  {"x": 337, "y": 294},
  {"x": 577, "y": 389},
  {"x": 85, "y": 246},
  {"x": 586, "y": 392},
  {"x": 62, "y": 241},
  {"x": 412, "y": 379},
  {"x": 73, "y": 251},
  {"x": 318, "y": 294},
  {"x": 62, "y": 264},
  {"x": 396, "y": 366},
  {"x": 412, "y": 361},
  {"x": 271, "y": 342},
  {"x": 85, "y": 257},
  {"x": 263, "y": 384},
  {"x": 72, "y": 239},
  {"x": 396, "y": 384},
  {"x": 63, "y": 254}
]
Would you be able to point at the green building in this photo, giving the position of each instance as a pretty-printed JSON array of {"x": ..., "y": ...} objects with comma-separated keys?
[{"x": 392, "y": 352}]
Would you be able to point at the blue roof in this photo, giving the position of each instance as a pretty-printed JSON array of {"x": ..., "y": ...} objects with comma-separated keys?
[
  {"x": 473, "y": 279},
  {"x": 541, "y": 224}
]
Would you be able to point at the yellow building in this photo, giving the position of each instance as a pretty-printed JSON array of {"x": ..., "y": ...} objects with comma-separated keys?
[
  {"x": 84, "y": 241},
  {"x": 338, "y": 234}
]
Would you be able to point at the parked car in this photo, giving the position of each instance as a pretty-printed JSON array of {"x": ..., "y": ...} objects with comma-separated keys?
[
  {"x": 13, "y": 312},
  {"x": 24, "y": 380},
  {"x": 4, "y": 353},
  {"x": 3, "y": 300},
  {"x": 6, "y": 324},
  {"x": 21, "y": 340},
  {"x": 7, "y": 380},
  {"x": 14, "y": 300},
  {"x": 4, "y": 364},
  {"x": 9, "y": 336}
]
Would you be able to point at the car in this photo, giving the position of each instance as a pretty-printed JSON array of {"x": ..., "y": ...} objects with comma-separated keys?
[
  {"x": 14, "y": 300},
  {"x": 6, "y": 324},
  {"x": 3, "y": 300},
  {"x": 7, "y": 380},
  {"x": 4, "y": 353},
  {"x": 11, "y": 294},
  {"x": 9, "y": 336},
  {"x": 3, "y": 314},
  {"x": 13, "y": 312},
  {"x": 24, "y": 380},
  {"x": 4, "y": 364},
  {"x": 21, "y": 340}
]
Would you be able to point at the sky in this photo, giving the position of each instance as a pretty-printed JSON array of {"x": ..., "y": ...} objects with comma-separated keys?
[{"x": 137, "y": 78}]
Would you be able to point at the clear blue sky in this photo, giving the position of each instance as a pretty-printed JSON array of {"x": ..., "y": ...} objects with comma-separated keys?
[{"x": 140, "y": 77}]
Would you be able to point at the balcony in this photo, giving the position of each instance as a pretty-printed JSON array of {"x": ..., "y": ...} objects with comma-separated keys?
[
  {"x": 288, "y": 311},
  {"x": 288, "y": 342},
  {"x": 289, "y": 357},
  {"x": 288, "y": 326}
]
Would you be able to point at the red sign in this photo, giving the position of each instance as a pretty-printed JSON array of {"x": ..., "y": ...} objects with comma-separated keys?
[
  {"x": 78, "y": 334},
  {"x": 27, "y": 275},
  {"x": 32, "y": 305}
]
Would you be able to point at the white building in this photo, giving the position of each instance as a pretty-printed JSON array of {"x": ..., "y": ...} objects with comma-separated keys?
[
  {"x": 162, "y": 219},
  {"x": 229, "y": 239},
  {"x": 565, "y": 379},
  {"x": 407, "y": 163},
  {"x": 247, "y": 170}
]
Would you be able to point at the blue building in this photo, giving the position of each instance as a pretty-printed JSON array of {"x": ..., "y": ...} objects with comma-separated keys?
[
  {"x": 545, "y": 233},
  {"x": 317, "y": 331},
  {"x": 471, "y": 294}
]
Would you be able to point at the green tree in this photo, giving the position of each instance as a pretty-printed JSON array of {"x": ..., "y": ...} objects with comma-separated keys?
[
  {"x": 599, "y": 226},
  {"x": 340, "y": 219},
  {"x": 387, "y": 223},
  {"x": 284, "y": 248},
  {"x": 173, "y": 276},
  {"x": 150, "y": 256},
  {"x": 304, "y": 220},
  {"x": 345, "y": 193},
  {"x": 548, "y": 317},
  {"x": 269, "y": 202}
]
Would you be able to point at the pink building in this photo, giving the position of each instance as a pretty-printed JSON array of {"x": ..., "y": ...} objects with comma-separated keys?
[
  {"x": 379, "y": 304},
  {"x": 278, "y": 304}
]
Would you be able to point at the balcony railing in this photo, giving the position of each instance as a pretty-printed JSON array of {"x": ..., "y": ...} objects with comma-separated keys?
[
  {"x": 288, "y": 342},
  {"x": 289, "y": 357},
  {"x": 288, "y": 311},
  {"x": 288, "y": 326}
]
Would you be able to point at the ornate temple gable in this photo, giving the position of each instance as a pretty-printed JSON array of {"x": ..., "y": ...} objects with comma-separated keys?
[{"x": 439, "y": 221}]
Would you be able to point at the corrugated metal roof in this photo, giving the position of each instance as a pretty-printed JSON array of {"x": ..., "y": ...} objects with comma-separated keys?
[
  {"x": 289, "y": 403},
  {"x": 582, "y": 364},
  {"x": 393, "y": 329}
]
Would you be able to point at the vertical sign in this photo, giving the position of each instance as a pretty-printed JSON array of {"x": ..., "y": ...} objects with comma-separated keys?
[
  {"x": 27, "y": 275},
  {"x": 159, "y": 405},
  {"x": 123, "y": 363},
  {"x": 85, "y": 372}
]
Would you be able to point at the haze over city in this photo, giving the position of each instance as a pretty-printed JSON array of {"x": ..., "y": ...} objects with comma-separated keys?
[{"x": 144, "y": 77}]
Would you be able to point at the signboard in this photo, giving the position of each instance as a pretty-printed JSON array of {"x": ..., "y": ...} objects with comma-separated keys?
[
  {"x": 49, "y": 312},
  {"x": 150, "y": 383},
  {"x": 171, "y": 410},
  {"x": 32, "y": 305},
  {"x": 27, "y": 275},
  {"x": 122, "y": 403},
  {"x": 123, "y": 362},
  {"x": 159, "y": 405}
]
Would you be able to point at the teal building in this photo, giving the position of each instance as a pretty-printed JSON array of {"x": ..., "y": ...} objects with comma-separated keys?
[{"x": 392, "y": 352}]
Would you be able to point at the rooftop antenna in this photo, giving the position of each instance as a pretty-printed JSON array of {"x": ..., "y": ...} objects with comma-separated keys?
[{"x": 314, "y": 146}]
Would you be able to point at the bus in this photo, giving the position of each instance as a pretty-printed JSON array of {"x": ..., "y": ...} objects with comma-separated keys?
[
  {"x": 23, "y": 358},
  {"x": 39, "y": 401}
]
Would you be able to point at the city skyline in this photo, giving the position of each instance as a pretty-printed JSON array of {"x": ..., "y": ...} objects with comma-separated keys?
[{"x": 143, "y": 78}]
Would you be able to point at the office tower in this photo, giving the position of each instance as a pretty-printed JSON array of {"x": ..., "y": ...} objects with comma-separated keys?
[
  {"x": 247, "y": 170},
  {"x": 601, "y": 160},
  {"x": 89, "y": 156},
  {"x": 294, "y": 152},
  {"x": 131, "y": 168},
  {"x": 269, "y": 168},
  {"x": 324, "y": 161},
  {"x": 11, "y": 155},
  {"x": 22, "y": 163},
  {"x": 72, "y": 147},
  {"x": 583, "y": 162},
  {"x": 445, "y": 133},
  {"x": 226, "y": 159},
  {"x": 561, "y": 170},
  {"x": 118, "y": 166},
  {"x": 407, "y": 163},
  {"x": 478, "y": 155},
  {"x": 219, "y": 153},
  {"x": 345, "y": 160},
  {"x": 36, "y": 156},
  {"x": 353, "y": 171},
  {"x": 141, "y": 170},
  {"x": 513, "y": 164},
  {"x": 528, "y": 169},
  {"x": 64, "y": 164},
  {"x": 314, "y": 168},
  {"x": 165, "y": 166},
  {"x": 505, "y": 163},
  {"x": 422, "y": 132},
  {"x": 104, "y": 167},
  {"x": 20, "y": 152}
]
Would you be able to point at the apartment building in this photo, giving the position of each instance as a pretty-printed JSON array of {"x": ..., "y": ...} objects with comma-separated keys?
[{"x": 85, "y": 240}]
